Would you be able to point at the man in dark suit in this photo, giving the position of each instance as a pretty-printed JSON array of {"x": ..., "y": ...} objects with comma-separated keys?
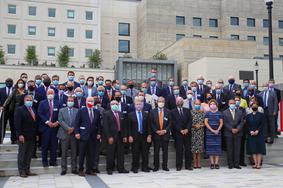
[
  {"x": 278, "y": 94},
  {"x": 168, "y": 89},
  {"x": 221, "y": 98},
  {"x": 171, "y": 100},
  {"x": 48, "y": 111},
  {"x": 124, "y": 98},
  {"x": 232, "y": 87},
  {"x": 160, "y": 119},
  {"x": 5, "y": 92},
  {"x": 202, "y": 88},
  {"x": 233, "y": 119},
  {"x": 197, "y": 94},
  {"x": 154, "y": 89},
  {"x": 115, "y": 131},
  {"x": 80, "y": 100},
  {"x": 26, "y": 129},
  {"x": 41, "y": 90},
  {"x": 182, "y": 124},
  {"x": 139, "y": 136},
  {"x": 88, "y": 132},
  {"x": 71, "y": 78},
  {"x": 184, "y": 88},
  {"x": 102, "y": 97}
]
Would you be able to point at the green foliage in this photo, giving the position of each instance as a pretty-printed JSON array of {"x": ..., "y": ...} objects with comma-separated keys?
[
  {"x": 160, "y": 56},
  {"x": 2, "y": 56},
  {"x": 63, "y": 57},
  {"x": 95, "y": 59},
  {"x": 31, "y": 56}
]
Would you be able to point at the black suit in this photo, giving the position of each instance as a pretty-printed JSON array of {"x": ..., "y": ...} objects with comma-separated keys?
[
  {"x": 183, "y": 91},
  {"x": 222, "y": 100},
  {"x": 171, "y": 101},
  {"x": 180, "y": 121},
  {"x": 126, "y": 99},
  {"x": 203, "y": 89},
  {"x": 160, "y": 141},
  {"x": 111, "y": 130},
  {"x": 140, "y": 145}
]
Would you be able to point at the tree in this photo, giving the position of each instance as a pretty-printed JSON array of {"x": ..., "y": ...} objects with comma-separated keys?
[
  {"x": 95, "y": 59},
  {"x": 2, "y": 56},
  {"x": 31, "y": 56},
  {"x": 63, "y": 57},
  {"x": 160, "y": 56}
]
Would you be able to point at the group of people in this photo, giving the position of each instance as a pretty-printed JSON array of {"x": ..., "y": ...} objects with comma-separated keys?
[{"x": 91, "y": 116}]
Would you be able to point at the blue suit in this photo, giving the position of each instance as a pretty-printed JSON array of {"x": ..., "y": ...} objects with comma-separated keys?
[
  {"x": 82, "y": 102},
  {"x": 146, "y": 107},
  {"x": 93, "y": 91},
  {"x": 158, "y": 91},
  {"x": 42, "y": 91},
  {"x": 49, "y": 135},
  {"x": 76, "y": 84},
  {"x": 166, "y": 91}
]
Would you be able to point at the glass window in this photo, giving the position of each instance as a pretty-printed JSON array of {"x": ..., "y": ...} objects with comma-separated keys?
[
  {"x": 213, "y": 37},
  {"x": 12, "y": 9},
  {"x": 280, "y": 56},
  {"x": 197, "y": 36},
  {"x": 88, "y": 34},
  {"x": 71, "y": 52},
  {"x": 51, "y": 31},
  {"x": 250, "y": 22},
  {"x": 196, "y": 22},
  {"x": 265, "y": 23},
  {"x": 89, "y": 15},
  {"x": 280, "y": 41},
  {"x": 251, "y": 38},
  {"x": 234, "y": 21},
  {"x": 11, "y": 48},
  {"x": 32, "y": 11},
  {"x": 124, "y": 46},
  {"x": 52, "y": 12},
  {"x": 70, "y": 14},
  {"x": 12, "y": 29},
  {"x": 179, "y": 36},
  {"x": 265, "y": 41},
  {"x": 88, "y": 52},
  {"x": 51, "y": 51},
  {"x": 235, "y": 37},
  {"x": 180, "y": 20},
  {"x": 280, "y": 24},
  {"x": 213, "y": 23},
  {"x": 124, "y": 29},
  {"x": 31, "y": 30},
  {"x": 70, "y": 33}
]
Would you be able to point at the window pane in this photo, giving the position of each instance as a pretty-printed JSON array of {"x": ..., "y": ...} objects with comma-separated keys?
[
  {"x": 213, "y": 37},
  {"x": 124, "y": 29},
  {"x": 32, "y": 11},
  {"x": 250, "y": 22},
  {"x": 280, "y": 24},
  {"x": 51, "y": 31},
  {"x": 265, "y": 41},
  {"x": 89, "y": 15},
  {"x": 11, "y": 48},
  {"x": 234, "y": 21},
  {"x": 265, "y": 23},
  {"x": 197, "y": 36},
  {"x": 124, "y": 46},
  {"x": 280, "y": 56},
  {"x": 12, "y": 9},
  {"x": 235, "y": 37},
  {"x": 51, "y": 51},
  {"x": 31, "y": 30},
  {"x": 70, "y": 33},
  {"x": 280, "y": 41},
  {"x": 251, "y": 38},
  {"x": 213, "y": 23},
  {"x": 12, "y": 29},
  {"x": 179, "y": 36},
  {"x": 197, "y": 22},
  {"x": 88, "y": 34},
  {"x": 71, "y": 14},
  {"x": 71, "y": 52},
  {"x": 180, "y": 20},
  {"x": 88, "y": 52},
  {"x": 51, "y": 12}
]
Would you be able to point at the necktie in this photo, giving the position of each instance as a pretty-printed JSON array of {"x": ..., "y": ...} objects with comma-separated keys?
[
  {"x": 70, "y": 113},
  {"x": 9, "y": 90},
  {"x": 231, "y": 86},
  {"x": 161, "y": 119},
  {"x": 181, "y": 112},
  {"x": 152, "y": 90},
  {"x": 190, "y": 104},
  {"x": 170, "y": 88},
  {"x": 140, "y": 123},
  {"x": 218, "y": 98},
  {"x": 266, "y": 98},
  {"x": 117, "y": 121},
  {"x": 50, "y": 110},
  {"x": 124, "y": 99},
  {"x": 200, "y": 88},
  {"x": 233, "y": 114},
  {"x": 109, "y": 95},
  {"x": 132, "y": 93},
  {"x": 31, "y": 113},
  {"x": 91, "y": 115},
  {"x": 79, "y": 103}
]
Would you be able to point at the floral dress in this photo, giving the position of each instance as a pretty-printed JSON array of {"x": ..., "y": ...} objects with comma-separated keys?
[{"x": 198, "y": 134}]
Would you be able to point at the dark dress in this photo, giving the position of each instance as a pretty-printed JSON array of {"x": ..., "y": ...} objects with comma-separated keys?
[
  {"x": 213, "y": 141},
  {"x": 255, "y": 144}
]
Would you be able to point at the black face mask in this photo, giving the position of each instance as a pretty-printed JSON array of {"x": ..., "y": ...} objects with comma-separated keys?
[
  {"x": 95, "y": 102},
  {"x": 47, "y": 83},
  {"x": 251, "y": 92},
  {"x": 9, "y": 84},
  {"x": 70, "y": 88},
  {"x": 31, "y": 88},
  {"x": 208, "y": 98},
  {"x": 254, "y": 109},
  {"x": 131, "y": 86},
  {"x": 118, "y": 99}
]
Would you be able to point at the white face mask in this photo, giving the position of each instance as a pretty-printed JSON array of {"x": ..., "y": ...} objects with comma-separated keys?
[
  {"x": 50, "y": 97},
  {"x": 189, "y": 96},
  {"x": 160, "y": 105},
  {"x": 20, "y": 85}
]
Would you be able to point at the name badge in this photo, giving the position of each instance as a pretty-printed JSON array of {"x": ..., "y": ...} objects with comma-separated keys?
[
  {"x": 82, "y": 128},
  {"x": 56, "y": 109},
  {"x": 124, "y": 112},
  {"x": 83, "y": 106},
  {"x": 35, "y": 101},
  {"x": 165, "y": 118},
  {"x": 223, "y": 102}
]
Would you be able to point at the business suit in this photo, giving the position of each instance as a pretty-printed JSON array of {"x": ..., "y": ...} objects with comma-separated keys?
[
  {"x": 181, "y": 120},
  {"x": 233, "y": 141},
  {"x": 132, "y": 93},
  {"x": 80, "y": 102},
  {"x": 88, "y": 127},
  {"x": 41, "y": 90},
  {"x": 171, "y": 102},
  {"x": 154, "y": 90},
  {"x": 139, "y": 129},
  {"x": 118, "y": 133},
  {"x": 231, "y": 89},
  {"x": 160, "y": 141},
  {"x": 66, "y": 118},
  {"x": 103, "y": 101},
  {"x": 26, "y": 126},
  {"x": 127, "y": 100},
  {"x": 222, "y": 100},
  {"x": 86, "y": 93},
  {"x": 203, "y": 89},
  {"x": 167, "y": 90},
  {"x": 184, "y": 90},
  {"x": 49, "y": 135}
]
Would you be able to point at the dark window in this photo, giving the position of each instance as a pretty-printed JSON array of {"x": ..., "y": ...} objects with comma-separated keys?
[
  {"x": 235, "y": 37},
  {"x": 265, "y": 23},
  {"x": 71, "y": 14},
  {"x": 280, "y": 24},
  {"x": 11, "y": 48},
  {"x": 179, "y": 36},
  {"x": 213, "y": 37},
  {"x": 234, "y": 20},
  {"x": 71, "y": 52},
  {"x": 31, "y": 30},
  {"x": 12, "y": 9},
  {"x": 70, "y": 33},
  {"x": 250, "y": 22},
  {"x": 51, "y": 31},
  {"x": 89, "y": 15},
  {"x": 213, "y": 23},
  {"x": 88, "y": 52},
  {"x": 197, "y": 36},
  {"x": 246, "y": 75},
  {"x": 32, "y": 11},
  {"x": 197, "y": 22},
  {"x": 51, "y": 12},
  {"x": 280, "y": 56},
  {"x": 88, "y": 34},
  {"x": 180, "y": 20},
  {"x": 124, "y": 29},
  {"x": 124, "y": 46},
  {"x": 280, "y": 41},
  {"x": 265, "y": 41},
  {"x": 12, "y": 29},
  {"x": 251, "y": 38}
]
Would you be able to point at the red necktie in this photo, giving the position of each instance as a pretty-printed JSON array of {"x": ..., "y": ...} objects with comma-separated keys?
[
  {"x": 117, "y": 120},
  {"x": 31, "y": 113}
]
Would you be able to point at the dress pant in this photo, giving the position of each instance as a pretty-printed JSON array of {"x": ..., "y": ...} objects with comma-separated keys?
[
  {"x": 183, "y": 144},
  {"x": 270, "y": 124},
  {"x": 233, "y": 150},
  {"x": 25, "y": 154},
  {"x": 95, "y": 161},
  {"x": 115, "y": 150},
  {"x": 49, "y": 143},
  {"x": 71, "y": 142},
  {"x": 87, "y": 150},
  {"x": 160, "y": 142},
  {"x": 8, "y": 116},
  {"x": 243, "y": 145},
  {"x": 140, "y": 148}
]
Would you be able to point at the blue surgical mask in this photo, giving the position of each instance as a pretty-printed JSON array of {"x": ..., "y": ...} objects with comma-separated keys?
[
  {"x": 197, "y": 107},
  {"x": 218, "y": 91},
  {"x": 144, "y": 90},
  {"x": 70, "y": 104},
  {"x": 82, "y": 81},
  {"x": 55, "y": 82},
  {"x": 232, "y": 106},
  {"x": 117, "y": 87},
  {"x": 194, "y": 89},
  {"x": 176, "y": 92},
  {"x": 100, "y": 82},
  {"x": 238, "y": 103},
  {"x": 114, "y": 107},
  {"x": 71, "y": 78},
  {"x": 246, "y": 84},
  {"x": 123, "y": 92},
  {"x": 101, "y": 93},
  {"x": 38, "y": 82},
  {"x": 28, "y": 104},
  {"x": 79, "y": 94},
  {"x": 153, "y": 83},
  {"x": 185, "y": 83},
  {"x": 200, "y": 82}
]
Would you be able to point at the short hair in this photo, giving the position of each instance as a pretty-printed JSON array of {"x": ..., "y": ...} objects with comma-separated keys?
[
  {"x": 55, "y": 76},
  {"x": 213, "y": 101},
  {"x": 71, "y": 72},
  {"x": 23, "y": 74},
  {"x": 90, "y": 77}
]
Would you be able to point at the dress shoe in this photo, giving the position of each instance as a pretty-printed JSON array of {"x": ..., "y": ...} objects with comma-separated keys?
[
  {"x": 81, "y": 173},
  {"x": 135, "y": 171},
  {"x": 145, "y": 170},
  {"x": 91, "y": 173},
  {"x": 13, "y": 142},
  {"x": 74, "y": 172},
  {"x": 217, "y": 166},
  {"x": 63, "y": 173},
  {"x": 34, "y": 156},
  {"x": 243, "y": 164},
  {"x": 123, "y": 171},
  {"x": 178, "y": 169},
  {"x": 237, "y": 167},
  {"x": 165, "y": 169},
  {"x": 149, "y": 168},
  {"x": 30, "y": 174},
  {"x": 189, "y": 168},
  {"x": 155, "y": 169},
  {"x": 23, "y": 175},
  {"x": 109, "y": 172},
  {"x": 96, "y": 171},
  {"x": 45, "y": 165},
  {"x": 212, "y": 166},
  {"x": 53, "y": 164},
  {"x": 230, "y": 167}
]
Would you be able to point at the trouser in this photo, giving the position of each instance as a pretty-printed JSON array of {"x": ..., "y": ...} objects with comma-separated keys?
[
  {"x": 160, "y": 142},
  {"x": 270, "y": 124},
  {"x": 24, "y": 155},
  {"x": 8, "y": 116},
  {"x": 49, "y": 143},
  {"x": 233, "y": 150},
  {"x": 95, "y": 160},
  {"x": 87, "y": 150},
  {"x": 115, "y": 150},
  {"x": 71, "y": 142},
  {"x": 140, "y": 148},
  {"x": 243, "y": 149},
  {"x": 183, "y": 143}
]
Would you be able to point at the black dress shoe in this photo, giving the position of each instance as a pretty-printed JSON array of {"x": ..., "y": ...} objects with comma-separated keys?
[
  {"x": 53, "y": 164},
  {"x": 178, "y": 169},
  {"x": 217, "y": 166},
  {"x": 23, "y": 175},
  {"x": 63, "y": 173},
  {"x": 155, "y": 169},
  {"x": 81, "y": 173},
  {"x": 243, "y": 164},
  {"x": 212, "y": 166},
  {"x": 109, "y": 172},
  {"x": 45, "y": 165},
  {"x": 165, "y": 169},
  {"x": 135, "y": 171},
  {"x": 29, "y": 173},
  {"x": 96, "y": 171},
  {"x": 237, "y": 167},
  {"x": 149, "y": 168},
  {"x": 91, "y": 173},
  {"x": 74, "y": 172},
  {"x": 189, "y": 168},
  {"x": 145, "y": 170},
  {"x": 123, "y": 171},
  {"x": 230, "y": 167}
]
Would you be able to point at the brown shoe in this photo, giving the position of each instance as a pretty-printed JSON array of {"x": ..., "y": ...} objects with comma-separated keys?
[
  {"x": 91, "y": 173},
  {"x": 30, "y": 174},
  {"x": 81, "y": 173},
  {"x": 23, "y": 175}
]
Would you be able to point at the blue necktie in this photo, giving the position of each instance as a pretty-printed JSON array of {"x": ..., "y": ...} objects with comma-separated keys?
[
  {"x": 140, "y": 123},
  {"x": 190, "y": 105}
]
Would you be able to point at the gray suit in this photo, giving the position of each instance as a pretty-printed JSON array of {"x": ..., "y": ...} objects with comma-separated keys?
[
  {"x": 233, "y": 141},
  {"x": 66, "y": 120},
  {"x": 270, "y": 104}
]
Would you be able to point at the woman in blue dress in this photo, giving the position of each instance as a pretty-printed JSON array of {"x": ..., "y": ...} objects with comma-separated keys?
[
  {"x": 213, "y": 122},
  {"x": 256, "y": 141}
]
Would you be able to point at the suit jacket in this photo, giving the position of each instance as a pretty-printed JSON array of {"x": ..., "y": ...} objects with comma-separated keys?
[
  {"x": 110, "y": 126},
  {"x": 44, "y": 114},
  {"x": 171, "y": 102},
  {"x": 82, "y": 102},
  {"x": 83, "y": 125},
  {"x": 128, "y": 100},
  {"x": 183, "y": 91},
  {"x": 166, "y": 91},
  {"x": 205, "y": 89},
  {"x": 158, "y": 91},
  {"x": 66, "y": 121},
  {"x": 272, "y": 101},
  {"x": 133, "y": 125},
  {"x": 222, "y": 101},
  {"x": 229, "y": 123},
  {"x": 135, "y": 93},
  {"x": 3, "y": 95},
  {"x": 24, "y": 123},
  {"x": 181, "y": 122},
  {"x": 93, "y": 91},
  {"x": 104, "y": 101},
  {"x": 42, "y": 91},
  {"x": 167, "y": 123},
  {"x": 235, "y": 87}
]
